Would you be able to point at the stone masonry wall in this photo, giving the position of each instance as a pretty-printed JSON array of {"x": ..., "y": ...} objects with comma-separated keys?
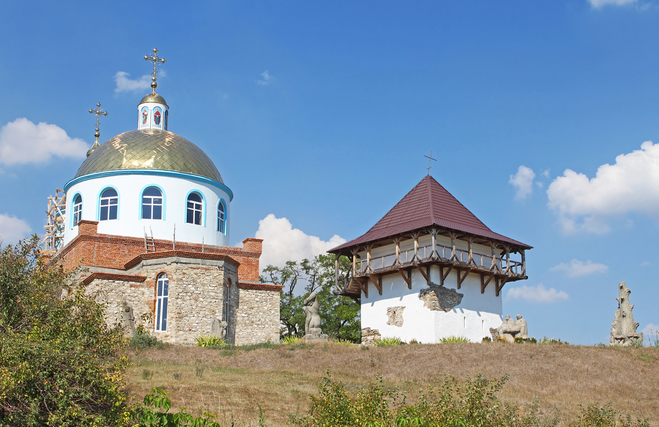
[{"x": 257, "y": 316}]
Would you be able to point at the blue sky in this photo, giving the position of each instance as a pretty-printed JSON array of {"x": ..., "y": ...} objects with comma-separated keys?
[{"x": 318, "y": 115}]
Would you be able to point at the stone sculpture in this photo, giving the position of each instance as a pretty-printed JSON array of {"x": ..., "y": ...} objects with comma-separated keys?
[
  {"x": 312, "y": 330},
  {"x": 219, "y": 328},
  {"x": 511, "y": 329},
  {"x": 438, "y": 298},
  {"x": 623, "y": 329},
  {"x": 127, "y": 318}
]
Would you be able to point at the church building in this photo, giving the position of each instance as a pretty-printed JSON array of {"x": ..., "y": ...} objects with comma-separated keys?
[
  {"x": 146, "y": 221},
  {"x": 429, "y": 269}
]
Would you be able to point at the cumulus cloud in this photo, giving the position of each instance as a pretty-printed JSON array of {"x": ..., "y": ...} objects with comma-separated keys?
[
  {"x": 629, "y": 185},
  {"x": 22, "y": 141},
  {"x": 536, "y": 294},
  {"x": 12, "y": 229},
  {"x": 600, "y": 3},
  {"x": 282, "y": 242},
  {"x": 124, "y": 84},
  {"x": 576, "y": 268},
  {"x": 523, "y": 182},
  {"x": 265, "y": 79}
]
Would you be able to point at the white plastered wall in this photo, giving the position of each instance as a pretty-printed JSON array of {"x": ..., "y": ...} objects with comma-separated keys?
[
  {"x": 472, "y": 318},
  {"x": 129, "y": 222}
]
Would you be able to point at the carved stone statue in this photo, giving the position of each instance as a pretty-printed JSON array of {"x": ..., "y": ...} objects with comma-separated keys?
[
  {"x": 312, "y": 330},
  {"x": 127, "y": 318},
  {"x": 219, "y": 328},
  {"x": 623, "y": 329},
  {"x": 511, "y": 329}
]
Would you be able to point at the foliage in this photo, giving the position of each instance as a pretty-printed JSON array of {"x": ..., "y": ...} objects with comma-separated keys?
[
  {"x": 155, "y": 412},
  {"x": 291, "y": 339},
  {"x": 339, "y": 314},
  {"x": 211, "y": 341},
  {"x": 546, "y": 340},
  {"x": 388, "y": 342},
  {"x": 142, "y": 339},
  {"x": 606, "y": 416},
  {"x": 486, "y": 339},
  {"x": 59, "y": 361},
  {"x": 454, "y": 340},
  {"x": 653, "y": 338}
]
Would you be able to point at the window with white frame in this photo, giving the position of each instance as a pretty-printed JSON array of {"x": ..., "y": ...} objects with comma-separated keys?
[
  {"x": 221, "y": 218},
  {"x": 109, "y": 204},
  {"x": 77, "y": 209},
  {"x": 162, "y": 297},
  {"x": 194, "y": 209},
  {"x": 152, "y": 203}
]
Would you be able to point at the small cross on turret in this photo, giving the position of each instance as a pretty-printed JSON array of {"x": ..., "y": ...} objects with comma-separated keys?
[
  {"x": 99, "y": 112},
  {"x": 430, "y": 160},
  {"x": 155, "y": 59}
]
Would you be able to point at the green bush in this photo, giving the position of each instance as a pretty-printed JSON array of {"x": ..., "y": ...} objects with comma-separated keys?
[
  {"x": 606, "y": 416},
  {"x": 143, "y": 339},
  {"x": 210, "y": 341},
  {"x": 454, "y": 340},
  {"x": 546, "y": 340},
  {"x": 60, "y": 364},
  {"x": 155, "y": 412},
  {"x": 388, "y": 342}
]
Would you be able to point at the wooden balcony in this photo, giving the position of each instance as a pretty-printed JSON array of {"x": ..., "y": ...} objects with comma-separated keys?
[{"x": 499, "y": 268}]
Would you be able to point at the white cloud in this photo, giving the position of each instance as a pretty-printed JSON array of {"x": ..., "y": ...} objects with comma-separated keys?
[
  {"x": 576, "y": 268},
  {"x": 536, "y": 294},
  {"x": 630, "y": 185},
  {"x": 645, "y": 263},
  {"x": 282, "y": 242},
  {"x": 124, "y": 84},
  {"x": 21, "y": 142},
  {"x": 599, "y": 3},
  {"x": 545, "y": 173},
  {"x": 265, "y": 79},
  {"x": 523, "y": 182},
  {"x": 12, "y": 229}
]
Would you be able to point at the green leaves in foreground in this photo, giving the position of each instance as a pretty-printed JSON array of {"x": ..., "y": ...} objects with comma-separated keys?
[{"x": 155, "y": 413}]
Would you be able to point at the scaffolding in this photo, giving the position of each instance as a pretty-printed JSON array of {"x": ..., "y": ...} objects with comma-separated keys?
[{"x": 55, "y": 221}]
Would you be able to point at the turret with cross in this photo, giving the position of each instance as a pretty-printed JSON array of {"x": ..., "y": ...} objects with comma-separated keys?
[
  {"x": 99, "y": 112},
  {"x": 153, "y": 111}
]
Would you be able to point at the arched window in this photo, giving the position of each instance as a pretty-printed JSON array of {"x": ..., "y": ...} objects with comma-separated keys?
[
  {"x": 109, "y": 204},
  {"x": 221, "y": 218},
  {"x": 194, "y": 209},
  {"x": 162, "y": 296},
  {"x": 152, "y": 203},
  {"x": 77, "y": 209}
]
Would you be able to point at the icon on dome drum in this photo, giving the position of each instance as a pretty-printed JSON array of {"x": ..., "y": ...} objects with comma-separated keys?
[
  {"x": 157, "y": 115},
  {"x": 145, "y": 115}
]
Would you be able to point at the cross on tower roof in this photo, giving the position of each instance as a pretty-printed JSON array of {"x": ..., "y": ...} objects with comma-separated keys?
[
  {"x": 429, "y": 161},
  {"x": 99, "y": 112},
  {"x": 154, "y": 58}
]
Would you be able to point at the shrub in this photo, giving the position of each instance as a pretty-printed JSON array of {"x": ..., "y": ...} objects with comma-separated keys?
[
  {"x": 486, "y": 339},
  {"x": 546, "y": 340},
  {"x": 60, "y": 364},
  {"x": 143, "y": 339},
  {"x": 454, "y": 340},
  {"x": 211, "y": 341},
  {"x": 653, "y": 338},
  {"x": 388, "y": 342},
  {"x": 155, "y": 412},
  {"x": 606, "y": 416},
  {"x": 291, "y": 339}
]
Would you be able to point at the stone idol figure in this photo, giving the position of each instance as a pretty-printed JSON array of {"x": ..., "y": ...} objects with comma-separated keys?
[
  {"x": 623, "y": 329},
  {"x": 511, "y": 329},
  {"x": 312, "y": 331}
]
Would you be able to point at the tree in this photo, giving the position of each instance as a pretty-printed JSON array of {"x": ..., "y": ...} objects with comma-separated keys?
[
  {"x": 60, "y": 363},
  {"x": 339, "y": 314}
]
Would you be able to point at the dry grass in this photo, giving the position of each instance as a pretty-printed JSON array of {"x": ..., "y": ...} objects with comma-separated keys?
[{"x": 281, "y": 379}]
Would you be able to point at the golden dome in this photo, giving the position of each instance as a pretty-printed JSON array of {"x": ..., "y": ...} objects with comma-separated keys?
[
  {"x": 153, "y": 97},
  {"x": 158, "y": 150}
]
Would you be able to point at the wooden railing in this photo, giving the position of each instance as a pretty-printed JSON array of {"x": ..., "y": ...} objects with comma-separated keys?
[{"x": 478, "y": 260}]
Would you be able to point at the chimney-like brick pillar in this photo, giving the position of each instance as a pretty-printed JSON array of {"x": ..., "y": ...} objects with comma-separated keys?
[
  {"x": 253, "y": 245},
  {"x": 87, "y": 227}
]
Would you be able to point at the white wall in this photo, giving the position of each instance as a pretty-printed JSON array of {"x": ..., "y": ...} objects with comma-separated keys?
[{"x": 129, "y": 223}]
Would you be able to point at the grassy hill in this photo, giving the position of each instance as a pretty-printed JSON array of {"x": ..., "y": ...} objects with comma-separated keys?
[{"x": 232, "y": 383}]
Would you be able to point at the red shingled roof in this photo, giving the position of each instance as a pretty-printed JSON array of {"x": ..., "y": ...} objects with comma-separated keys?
[{"x": 427, "y": 204}]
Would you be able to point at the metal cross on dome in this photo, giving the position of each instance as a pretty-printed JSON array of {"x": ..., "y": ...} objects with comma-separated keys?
[
  {"x": 155, "y": 59},
  {"x": 429, "y": 161},
  {"x": 99, "y": 112}
]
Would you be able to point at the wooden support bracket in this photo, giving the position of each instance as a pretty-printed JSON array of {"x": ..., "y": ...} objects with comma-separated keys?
[
  {"x": 442, "y": 275},
  {"x": 425, "y": 274},
  {"x": 362, "y": 286},
  {"x": 407, "y": 276},
  {"x": 499, "y": 284},
  {"x": 463, "y": 277},
  {"x": 484, "y": 282},
  {"x": 377, "y": 282}
]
